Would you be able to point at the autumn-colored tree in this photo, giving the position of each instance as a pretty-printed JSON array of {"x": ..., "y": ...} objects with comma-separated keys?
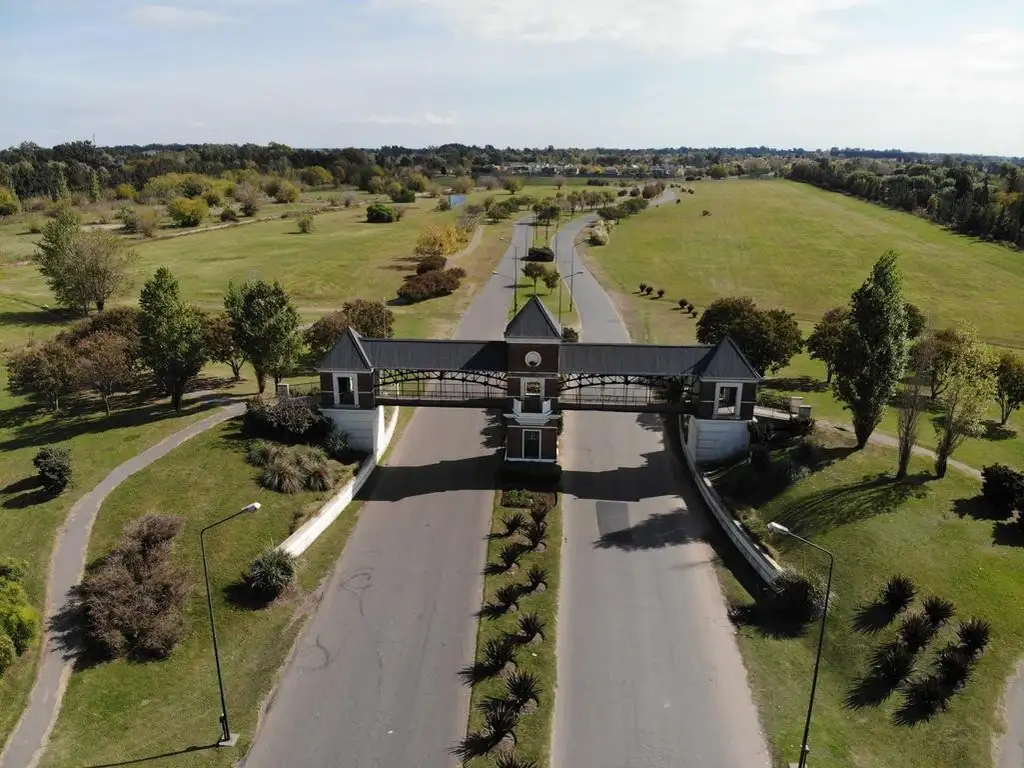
[{"x": 106, "y": 364}]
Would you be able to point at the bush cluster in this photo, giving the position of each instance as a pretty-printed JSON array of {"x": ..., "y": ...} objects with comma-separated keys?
[
  {"x": 54, "y": 468},
  {"x": 289, "y": 419},
  {"x": 381, "y": 213},
  {"x": 290, "y": 470},
  {"x": 270, "y": 574},
  {"x": 305, "y": 224},
  {"x": 188, "y": 211},
  {"x": 430, "y": 264},
  {"x": 437, "y": 282},
  {"x": 599, "y": 234},
  {"x": 229, "y": 214},
  {"x": 1003, "y": 488},
  {"x": 134, "y": 601},
  {"x": 19, "y": 621},
  {"x": 540, "y": 253}
]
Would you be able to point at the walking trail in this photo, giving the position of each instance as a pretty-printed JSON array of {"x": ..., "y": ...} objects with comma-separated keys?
[{"x": 26, "y": 743}]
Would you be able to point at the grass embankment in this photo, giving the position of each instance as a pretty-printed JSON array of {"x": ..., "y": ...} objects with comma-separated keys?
[
  {"x": 794, "y": 246},
  {"x": 533, "y": 731},
  {"x": 171, "y": 706},
  {"x": 933, "y": 531}
]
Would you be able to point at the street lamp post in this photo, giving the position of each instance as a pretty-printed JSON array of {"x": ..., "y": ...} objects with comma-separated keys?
[
  {"x": 560, "y": 282},
  {"x": 227, "y": 738},
  {"x": 779, "y": 528}
]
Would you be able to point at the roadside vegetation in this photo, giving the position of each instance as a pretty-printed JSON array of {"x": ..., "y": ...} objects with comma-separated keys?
[{"x": 514, "y": 674}]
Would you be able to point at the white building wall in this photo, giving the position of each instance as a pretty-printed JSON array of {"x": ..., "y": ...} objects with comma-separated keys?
[
  {"x": 718, "y": 439},
  {"x": 363, "y": 427}
]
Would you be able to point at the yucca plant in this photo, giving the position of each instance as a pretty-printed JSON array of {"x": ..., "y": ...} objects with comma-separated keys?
[
  {"x": 513, "y": 523},
  {"x": 512, "y": 760},
  {"x": 953, "y": 667},
  {"x": 270, "y": 573},
  {"x": 502, "y": 719},
  {"x": 535, "y": 533},
  {"x": 530, "y": 626},
  {"x": 898, "y": 593},
  {"x": 539, "y": 512},
  {"x": 499, "y": 651},
  {"x": 282, "y": 475},
  {"x": 974, "y": 636},
  {"x": 916, "y": 632},
  {"x": 938, "y": 610},
  {"x": 473, "y": 745},
  {"x": 523, "y": 687},
  {"x": 509, "y": 555},
  {"x": 928, "y": 695},
  {"x": 892, "y": 663},
  {"x": 537, "y": 576},
  {"x": 508, "y": 594}
]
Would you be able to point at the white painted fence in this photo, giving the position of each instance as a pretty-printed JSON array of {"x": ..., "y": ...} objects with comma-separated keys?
[
  {"x": 311, "y": 530},
  {"x": 766, "y": 568}
]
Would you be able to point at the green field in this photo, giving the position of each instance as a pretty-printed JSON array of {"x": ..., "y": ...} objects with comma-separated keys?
[
  {"x": 932, "y": 531},
  {"x": 169, "y": 706},
  {"x": 794, "y": 246}
]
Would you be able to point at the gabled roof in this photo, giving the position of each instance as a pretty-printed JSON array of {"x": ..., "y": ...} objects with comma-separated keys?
[
  {"x": 347, "y": 354},
  {"x": 533, "y": 321},
  {"x": 726, "y": 362},
  {"x": 436, "y": 354}
]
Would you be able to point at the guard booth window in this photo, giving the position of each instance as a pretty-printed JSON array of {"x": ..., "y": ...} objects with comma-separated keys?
[{"x": 346, "y": 396}]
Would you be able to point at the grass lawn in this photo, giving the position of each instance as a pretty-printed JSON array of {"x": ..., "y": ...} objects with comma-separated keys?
[
  {"x": 930, "y": 530},
  {"x": 533, "y": 734},
  {"x": 169, "y": 706},
  {"x": 791, "y": 245}
]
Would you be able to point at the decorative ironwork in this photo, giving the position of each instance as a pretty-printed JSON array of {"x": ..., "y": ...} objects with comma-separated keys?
[
  {"x": 590, "y": 391},
  {"x": 471, "y": 388}
]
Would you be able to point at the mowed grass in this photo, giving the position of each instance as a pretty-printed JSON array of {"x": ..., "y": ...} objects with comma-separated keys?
[
  {"x": 533, "y": 734},
  {"x": 169, "y": 706},
  {"x": 794, "y": 246},
  {"x": 923, "y": 528}
]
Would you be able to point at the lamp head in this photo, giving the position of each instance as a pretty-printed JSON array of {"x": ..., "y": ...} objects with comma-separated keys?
[
  {"x": 254, "y": 507},
  {"x": 777, "y": 527}
]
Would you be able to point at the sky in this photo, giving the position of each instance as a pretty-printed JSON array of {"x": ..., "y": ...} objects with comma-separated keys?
[{"x": 923, "y": 75}]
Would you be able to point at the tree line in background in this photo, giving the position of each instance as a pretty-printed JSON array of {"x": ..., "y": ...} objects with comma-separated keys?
[{"x": 985, "y": 203}]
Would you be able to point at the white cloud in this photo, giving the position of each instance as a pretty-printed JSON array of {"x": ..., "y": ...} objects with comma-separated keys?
[
  {"x": 176, "y": 16},
  {"x": 427, "y": 118},
  {"x": 679, "y": 27}
]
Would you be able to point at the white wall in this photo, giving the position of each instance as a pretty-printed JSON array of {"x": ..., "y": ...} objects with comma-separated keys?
[
  {"x": 363, "y": 427},
  {"x": 717, "y": 439}
]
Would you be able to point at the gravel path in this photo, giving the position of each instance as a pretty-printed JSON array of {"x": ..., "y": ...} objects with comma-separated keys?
[{"x": 67, "y": 565}]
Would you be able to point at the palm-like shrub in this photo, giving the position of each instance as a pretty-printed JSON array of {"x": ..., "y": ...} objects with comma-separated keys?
[
  {"x": 953, "y": 667},
  {"x": 509, "y": 555},
  {"x": 513, "y": 523},
  {"x": 974, "y": 636},
  {"x": 898, "y": 593},
  {"x": 892, "y": 663},
  {"x": 499, "y": 651},
  {"x": 535, "y": 532},
  {"x": 537, "y": 576},
  {"x": 539, "y": 512},
  {"x": 916, "y": 632},
  {"x": 530, "y": 626},
  {"x": 270, "y": 573},
  {"x": 938, "y": 610},
  {"x": 282, "y": 475},
  {"x": 523, "y": 687},
  {"x": 501, "y": 719},
  {"x": 508, "y": 594},
  {"x": 512, "y": 760}
]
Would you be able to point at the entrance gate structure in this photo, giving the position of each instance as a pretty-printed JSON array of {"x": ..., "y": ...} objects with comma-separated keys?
[{"x": 533, "y": 376}]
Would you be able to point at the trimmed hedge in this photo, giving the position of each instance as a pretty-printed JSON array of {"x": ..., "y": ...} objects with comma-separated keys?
[
  {"x": 430, "y": 263},
  {"x": 541, "y": 253},
  {"x": 431, "y": 284}
]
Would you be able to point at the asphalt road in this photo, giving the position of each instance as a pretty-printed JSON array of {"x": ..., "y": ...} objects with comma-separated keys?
[
  {"x": 649, "y": 674},
  {"x": 374, "y": 680}
]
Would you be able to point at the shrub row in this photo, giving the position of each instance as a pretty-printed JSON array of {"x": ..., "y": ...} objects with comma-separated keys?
[{"x": 430, "y": 284}]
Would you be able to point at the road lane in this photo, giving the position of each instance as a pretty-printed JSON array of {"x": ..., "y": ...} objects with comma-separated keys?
[
  {"x": 373, "y": 682},
  {"x": 649, "y": 673}
]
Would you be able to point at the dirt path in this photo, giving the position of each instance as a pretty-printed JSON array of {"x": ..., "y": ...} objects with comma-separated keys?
[{"x": 25, "y": 745}]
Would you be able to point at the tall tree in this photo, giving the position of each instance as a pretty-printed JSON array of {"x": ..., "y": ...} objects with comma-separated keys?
[
  {"x": 55, "y": 257},
  {"x": 873, "y": 350},
  {"x": 265, "y": 325},
  {"x": 826, "y": 339},
  {"x": 916, "y": 321},
  {"x": 934, "y": 355},
  {"x": 221, "y": 345},
  {"x": 370, "y": 318},
  {"x": 969, "y": 389},
  {"x": 46, "y": 371},
  {"x": 1009, "y": 384},
  {"x": 102, "y": 259},
  {"x": 534, "y": 271},
  {"x": 106, "y": 364},
  {"x": 912, "y": 403},
  {"x": 173, "y": 342}
]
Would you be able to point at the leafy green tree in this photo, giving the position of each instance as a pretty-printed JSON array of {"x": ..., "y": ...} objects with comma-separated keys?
[
  {"x": 172, "y": 338},
  {"x": 188, "y": 211},
  {"x": 286, "y": 192},
  {"x": 1009, "y": 385},
  {"x": 9, "y": 203},
  {"x": 824, "y": 342},
  {"x": 873, "y": 351},
  {"x": 916, "y": 321},
  {"x": 512, "y": 184},
  {"x": 265, "y": 325},
  {"x": 534, "y": 272},
  {"x": 370, "y": 318},
  {"x": 969, "y": 388},
  {"x": 768, "y": 338},
  {"x": 463, "y": 185},
  {"x": 221, "y": 345},
  {"x": 551, "y": 278},
  {"x": 45, "y": 371},
  {"x": 55, "y": 256},
  {"x": 106, "y": 364},
  {"x": 933, "y": 356},
  {"x": 316, "y": 176},
  {"x": 101, "y": 260}
]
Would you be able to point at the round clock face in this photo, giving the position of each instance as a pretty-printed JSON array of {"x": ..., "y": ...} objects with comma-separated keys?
[{"x": 533, "y": 359}]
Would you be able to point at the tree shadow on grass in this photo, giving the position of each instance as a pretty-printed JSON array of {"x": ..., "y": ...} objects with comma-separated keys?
[
  {"x": 830, "y": 508},
  {"x": 28, "y": 499},
  {"x": 873, "y": 617},
  {"x": 976, "y": 508},
  {"x": 996, "y": 431},
  {"x": 1008, "y": 534},
  {"x": 768, "y": 623},
  {"x": 882, "y": 679},
  {"x": 242, "y": 596}
]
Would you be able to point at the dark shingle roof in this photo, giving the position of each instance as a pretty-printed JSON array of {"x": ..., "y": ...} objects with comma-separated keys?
[
  {"x": 533, "y": 321},
  {"x": 437, "y": 354},
  {"x": 722, "y": 362},
  {"x": 726, "y": 362},
  {"x": 347, "y": 354}
]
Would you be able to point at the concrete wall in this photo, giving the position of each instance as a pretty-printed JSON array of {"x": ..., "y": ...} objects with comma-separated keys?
[
  {"x": 363, "y": 427},
  {"x": 717, "y": 439}
]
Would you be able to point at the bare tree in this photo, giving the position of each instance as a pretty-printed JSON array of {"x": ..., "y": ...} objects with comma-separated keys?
[{"x": 912, "y": 403}]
